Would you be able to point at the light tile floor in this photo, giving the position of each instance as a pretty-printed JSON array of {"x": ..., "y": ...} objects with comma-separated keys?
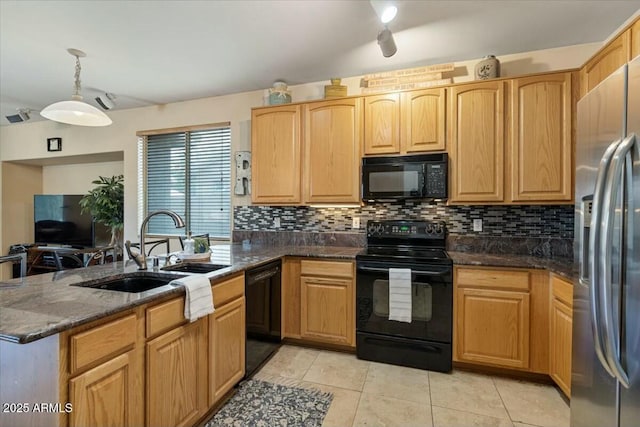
[{"x": 375, "y": 394}]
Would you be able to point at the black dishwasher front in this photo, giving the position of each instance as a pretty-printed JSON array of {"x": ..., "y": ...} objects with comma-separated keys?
[{"x": 263, "y": 314}]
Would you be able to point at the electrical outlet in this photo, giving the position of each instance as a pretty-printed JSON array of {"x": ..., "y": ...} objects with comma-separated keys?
[
  {"x": 477, "y": 225},
  {"x": 355, "y": 222},
  {"x": 276, "y": 222}
]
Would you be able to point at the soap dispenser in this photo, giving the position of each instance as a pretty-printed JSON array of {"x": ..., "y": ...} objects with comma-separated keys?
[{"x": 188, "y": 245}]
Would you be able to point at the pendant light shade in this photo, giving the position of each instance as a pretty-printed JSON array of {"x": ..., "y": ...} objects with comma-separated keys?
[{"x": 76, "y": 112}]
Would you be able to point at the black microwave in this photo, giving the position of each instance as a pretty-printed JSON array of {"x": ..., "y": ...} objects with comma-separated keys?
[{"x": 421, "y": 176}]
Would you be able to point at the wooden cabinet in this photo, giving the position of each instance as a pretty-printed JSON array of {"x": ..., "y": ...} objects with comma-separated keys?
[
  {"x": 176, "y": 376},
  {"x": 476, "y": 125},
  {"x": 501, "y": 317},
  {"x": 333, "y": 136},
  {"x": 382, "y": 124},
  {"x": 613, "y": 56},
  {"x": 276, "y": 155},
  {"x": 327, "y": 302},
  {"x": 291, "y": 298},
  {"x": 405, "y": 123},
  {"x": 634, "y": 33},
  {"x": 106, "y": 394},
  {"x": 541, "y": 148},
  {"x": 226, "y": 348},
  {"x": 560, "y": 337},
  {"x": 104, "y": 371}
]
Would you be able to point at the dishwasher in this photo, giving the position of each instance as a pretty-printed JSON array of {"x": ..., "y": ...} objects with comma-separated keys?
[{"x": 263, "y": 314}]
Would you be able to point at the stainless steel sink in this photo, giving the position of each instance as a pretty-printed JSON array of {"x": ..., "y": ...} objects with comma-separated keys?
[
  {"x": 195, "y": 267},
  {"x": 133, "y": 283}
]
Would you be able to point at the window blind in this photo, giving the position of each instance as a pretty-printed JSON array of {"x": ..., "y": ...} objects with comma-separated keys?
[{"x": 190, "y": 173}]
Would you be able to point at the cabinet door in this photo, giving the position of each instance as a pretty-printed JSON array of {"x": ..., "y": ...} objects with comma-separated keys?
[
  {"x": 477, "y": 142},
  {"x": 541, "y": 148},
  {"x": 105, "y": 395},
  {"x": 609, "y": 59},
  {"x": 327, "y": 310},
  {"x": 560, "y": 345},
  {"x": 276, "y": 155},
  {"x": 382, "y": 124},
  {"x": 177, "y": 376},
  {"x": 226, "y": 348},
  {"x": 423, "y": 120},
  {"x": 492, "y": 327},
  {"x": 291, "y": 298},
  {"x": 635, "y": 39},
  {"x": 333, "y": 137}
]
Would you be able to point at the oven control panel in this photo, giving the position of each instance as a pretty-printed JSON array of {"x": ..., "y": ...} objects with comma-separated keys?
[{"x": 406, "y": 229}]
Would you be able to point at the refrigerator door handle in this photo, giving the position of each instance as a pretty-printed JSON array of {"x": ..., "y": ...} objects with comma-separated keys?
[
  {"x": 595, "y": 285},
  {"x": 611, "y": 337}
]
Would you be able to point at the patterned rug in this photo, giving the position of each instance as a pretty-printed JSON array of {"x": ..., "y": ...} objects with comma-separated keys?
[{"x": 263, "y": 404}]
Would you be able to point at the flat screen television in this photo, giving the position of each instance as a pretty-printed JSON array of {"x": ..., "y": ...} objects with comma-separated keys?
[{"x": 59, "y": 221}]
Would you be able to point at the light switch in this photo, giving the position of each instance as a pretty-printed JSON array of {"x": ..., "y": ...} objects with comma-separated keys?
[
  {"x": 355, "y": 222},
  {"x": 276, "y": 222},
  {"x": 477, "y": 225}
]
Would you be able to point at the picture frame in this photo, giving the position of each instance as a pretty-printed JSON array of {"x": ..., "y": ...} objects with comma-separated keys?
[{"x": 54, "y": 144}]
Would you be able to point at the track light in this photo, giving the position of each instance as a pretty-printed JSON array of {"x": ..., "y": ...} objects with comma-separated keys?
[
  {"x": 22, "y": 116},
  {"x": 386, "y": 42},
  {"x": 106, "y": 101},
  {"x": 385, "y": 9}
]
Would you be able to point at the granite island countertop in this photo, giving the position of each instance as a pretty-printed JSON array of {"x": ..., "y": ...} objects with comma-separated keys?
[{"x": 38, "y": 306}]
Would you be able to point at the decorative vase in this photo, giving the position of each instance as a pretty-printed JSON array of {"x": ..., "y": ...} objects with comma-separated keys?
[
  {"x": 279, "y": 94},
  {"x": 488, "y": 68},
  {"x": 335, "y": 90}
]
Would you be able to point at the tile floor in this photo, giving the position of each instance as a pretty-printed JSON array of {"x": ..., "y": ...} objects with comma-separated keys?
[{"x": 375, "y": 394}]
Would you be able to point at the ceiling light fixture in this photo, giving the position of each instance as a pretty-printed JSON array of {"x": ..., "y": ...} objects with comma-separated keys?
[
  {"x": 22, "y": 116},
  {"x": 385, "y": 9},
  {"x": 386, "y": 42},
  {"x": 76, "y": 112}
]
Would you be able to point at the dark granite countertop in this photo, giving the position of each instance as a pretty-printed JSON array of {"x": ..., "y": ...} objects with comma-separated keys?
[{"x": 38, "y": 306}]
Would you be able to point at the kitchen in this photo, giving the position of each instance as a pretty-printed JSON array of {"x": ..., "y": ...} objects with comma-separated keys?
[{"x": 551, "y": 225}]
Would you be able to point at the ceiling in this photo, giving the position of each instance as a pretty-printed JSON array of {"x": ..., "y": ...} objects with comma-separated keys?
[{"x": 156, "y": 52}]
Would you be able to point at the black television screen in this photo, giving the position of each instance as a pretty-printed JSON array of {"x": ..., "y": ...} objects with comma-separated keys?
[{"x": 59, "y": 221}]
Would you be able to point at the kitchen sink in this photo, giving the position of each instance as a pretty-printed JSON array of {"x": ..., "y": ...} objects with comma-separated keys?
[
  {"x": 133, "y": 284},
  {"x": 196, "y": 267}
]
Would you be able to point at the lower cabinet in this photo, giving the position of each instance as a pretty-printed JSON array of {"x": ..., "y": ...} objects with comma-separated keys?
[
  {"x": 226, "y": 348},
  {"x": 327, "y": 302},
  {"x": 176, "y": 376},
  {"x": 501, "y": 318},
  {"x": 104, "y": 395},
  {"x": 560, "y": 336}
]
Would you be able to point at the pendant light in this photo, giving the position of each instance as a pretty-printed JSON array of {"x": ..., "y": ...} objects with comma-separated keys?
[{"x": 76, "y": 112}]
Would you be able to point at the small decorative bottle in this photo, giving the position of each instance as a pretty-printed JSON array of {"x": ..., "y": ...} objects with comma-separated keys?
[
  {"x": 188, "y": 245},
  {"x": 488, "y": 68},
  {"x": 279, "y": 94}
]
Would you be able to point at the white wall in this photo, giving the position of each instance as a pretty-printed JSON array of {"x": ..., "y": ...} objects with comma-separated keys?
[
  {"x": 27, "y": 141},
  {"x": 76, "y": 178}
]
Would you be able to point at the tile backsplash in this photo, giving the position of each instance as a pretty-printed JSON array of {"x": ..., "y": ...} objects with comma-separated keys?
[{"x": 504, "y": 221}]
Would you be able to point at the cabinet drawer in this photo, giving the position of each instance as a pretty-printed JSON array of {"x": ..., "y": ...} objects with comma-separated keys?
[
  {"x": 102, "y": 342},
  {"x": 496, "y": 279},
  {"x": 228, "y": 290},
  {"x": 326, "y": 268},
  {"x": 165, "y": 316},
  {"x": 562, "y": 290}
]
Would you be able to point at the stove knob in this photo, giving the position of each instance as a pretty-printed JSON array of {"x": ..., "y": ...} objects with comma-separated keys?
[
  {"x": 438, "y": 228},
  {"x": 371, "y": 228},
  {"x": 429, "y": 229}
]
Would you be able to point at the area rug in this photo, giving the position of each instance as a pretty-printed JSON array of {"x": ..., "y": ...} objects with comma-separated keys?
[{"x": 263, "y": 404}]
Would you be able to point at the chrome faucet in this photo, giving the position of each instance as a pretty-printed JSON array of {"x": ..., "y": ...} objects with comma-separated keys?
[{"x": 140, "y": 258}]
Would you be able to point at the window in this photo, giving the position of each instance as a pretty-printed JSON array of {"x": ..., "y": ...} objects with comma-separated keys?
[{"x": 189, "y": 172}]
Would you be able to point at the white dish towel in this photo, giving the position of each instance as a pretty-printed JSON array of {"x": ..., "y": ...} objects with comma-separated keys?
[
  {"x": 199, "y": 299},
  {"x": 400, "y": 294}
]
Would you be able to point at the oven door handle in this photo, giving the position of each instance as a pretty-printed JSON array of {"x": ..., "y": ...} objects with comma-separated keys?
[{"x": 419, "y": 272}]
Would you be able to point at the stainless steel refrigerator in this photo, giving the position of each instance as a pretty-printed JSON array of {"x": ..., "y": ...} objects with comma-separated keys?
[{"x": 605, "y": 380}]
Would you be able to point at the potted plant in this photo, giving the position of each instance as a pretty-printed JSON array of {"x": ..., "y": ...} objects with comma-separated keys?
[{"x": 106, "y": 204}]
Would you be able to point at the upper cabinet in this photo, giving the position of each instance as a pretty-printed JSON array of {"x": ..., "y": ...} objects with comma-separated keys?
[
  {"x": 333, "y": 136},
  {"x": 276, "y": 155},
  {"x": 635, "y": 39},
  {"x": 476, "y": 126},
  {"x": 605, "y": 62},
  {"x": 405, "y": 123},
  {"x": 541, "y": 148}
]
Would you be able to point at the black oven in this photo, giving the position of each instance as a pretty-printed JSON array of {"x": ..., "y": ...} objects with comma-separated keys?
[
  {"x": 404, "y": 177},
  {"x": 425, "y": 341}
]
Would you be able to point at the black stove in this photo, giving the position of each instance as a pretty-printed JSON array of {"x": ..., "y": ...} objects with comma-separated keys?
[{"x": 422, "y": 339}]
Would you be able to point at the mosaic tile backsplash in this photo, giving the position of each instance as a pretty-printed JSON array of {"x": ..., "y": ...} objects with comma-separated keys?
[{"x": 503, "y": 221}]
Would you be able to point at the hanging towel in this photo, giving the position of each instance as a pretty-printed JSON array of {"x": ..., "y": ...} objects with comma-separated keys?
[
  {"x": 199, "y": 299},
  {"x": 400, "y": 294}
]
